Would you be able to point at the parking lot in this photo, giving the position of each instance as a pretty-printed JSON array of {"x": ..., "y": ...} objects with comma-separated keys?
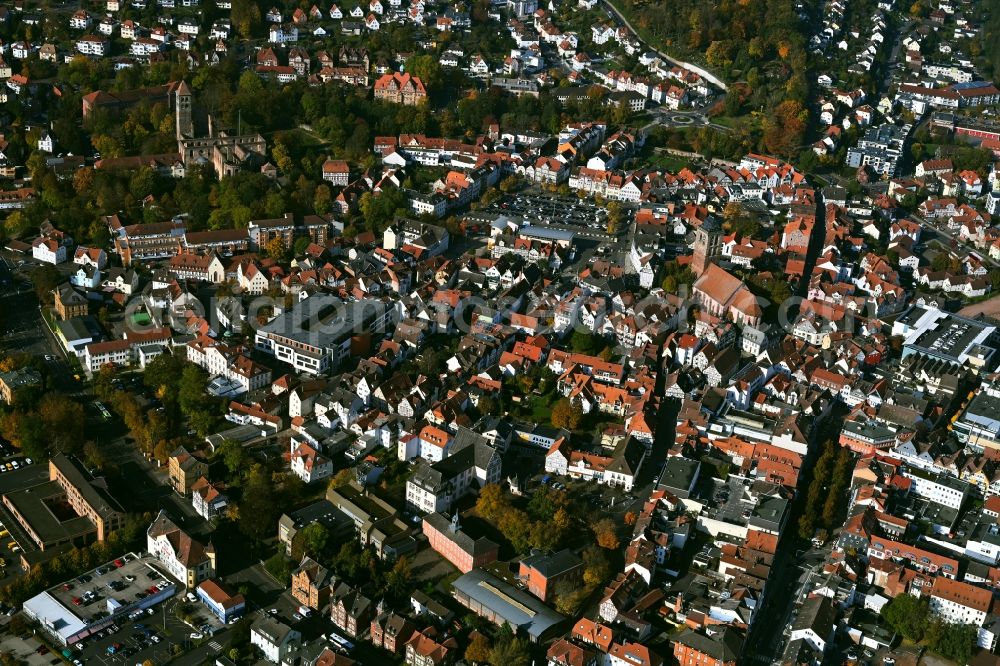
[
  {"x": 725, "y": 501},
  {"x": 569, "y": 213},
  {"x": 150, "y": 637}
]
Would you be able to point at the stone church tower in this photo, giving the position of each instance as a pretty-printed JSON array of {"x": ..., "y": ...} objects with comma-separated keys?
[
  {"x": 182, "y": 110},
  {"x": 707, "y": 246}
]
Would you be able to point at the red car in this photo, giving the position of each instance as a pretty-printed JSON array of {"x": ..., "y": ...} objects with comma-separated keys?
[
  {"x": 77, "y": 601},
  {"x": 119, "y": 564}
]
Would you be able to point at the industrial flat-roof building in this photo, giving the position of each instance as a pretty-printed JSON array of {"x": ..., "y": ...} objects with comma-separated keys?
[
  {"x": 72, "y": 611},
  {"x": 489, "y": 597}
]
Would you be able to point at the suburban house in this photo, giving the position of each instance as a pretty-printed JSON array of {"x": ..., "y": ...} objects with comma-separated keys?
[{"x": 206, "y": 499}]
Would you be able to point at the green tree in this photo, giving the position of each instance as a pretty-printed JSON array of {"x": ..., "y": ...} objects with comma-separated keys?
[
  {"x": 907, "y": 615},
  {"x": 257, "y": 508},
  {"x": 427, "y": 68},
  {"x": 513, "y": 652},
  {"x": 953, "y": 641}
]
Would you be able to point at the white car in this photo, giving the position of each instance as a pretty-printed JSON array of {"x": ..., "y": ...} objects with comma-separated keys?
[
  {"x": 27, "y": 461},
  {"x": 191, "y": 597},
  {"x": 195, "y": 636}
]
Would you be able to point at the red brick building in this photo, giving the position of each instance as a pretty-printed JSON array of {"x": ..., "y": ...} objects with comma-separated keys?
[
  {"x": 447, "y": 538},
  {"x": 350, "y": 610},
  {"x": 391, "y": 631},
  {"x": 541, "y": 572}
]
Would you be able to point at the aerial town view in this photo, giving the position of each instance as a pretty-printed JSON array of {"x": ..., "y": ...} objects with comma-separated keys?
[{"x": 499, "y": 332}]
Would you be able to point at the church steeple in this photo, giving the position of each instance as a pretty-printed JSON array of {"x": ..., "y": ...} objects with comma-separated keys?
[{"x": 707, "y": 245}]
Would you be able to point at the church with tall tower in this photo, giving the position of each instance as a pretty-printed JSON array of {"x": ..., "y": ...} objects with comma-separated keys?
[{"x": 228, "y": 152}]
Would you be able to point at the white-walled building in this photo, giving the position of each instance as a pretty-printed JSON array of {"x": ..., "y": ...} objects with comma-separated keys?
[
  {"x": 185, "y": 558},
  {"x": 958, "y": 602},
  {"x": 274, "y": 638}
]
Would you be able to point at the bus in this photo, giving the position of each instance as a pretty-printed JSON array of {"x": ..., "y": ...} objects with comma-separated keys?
[{"x": 340, "y": 641}]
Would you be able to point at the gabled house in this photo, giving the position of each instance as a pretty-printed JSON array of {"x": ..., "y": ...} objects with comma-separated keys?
[
  {"x": 350, "y": 611},
  {"x": 185, "y": 558}
]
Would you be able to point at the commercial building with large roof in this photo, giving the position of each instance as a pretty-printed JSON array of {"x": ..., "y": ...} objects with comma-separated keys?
[
  {"x": 72, "y": 611},
  {"x": 316, "y": 334},
  {"x": 946, "y": 336},
  {"x": 491, "y": 598}
]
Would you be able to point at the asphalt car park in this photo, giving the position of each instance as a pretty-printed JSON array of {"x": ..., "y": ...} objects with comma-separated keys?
[
  {"x": 554, "y": 210},
  {"x": 148, "y": 637}
]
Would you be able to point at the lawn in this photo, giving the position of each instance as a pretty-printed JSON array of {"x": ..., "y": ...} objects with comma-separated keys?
[{"x": 666, "y": 162}]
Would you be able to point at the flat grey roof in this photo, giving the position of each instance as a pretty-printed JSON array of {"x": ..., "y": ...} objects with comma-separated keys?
[
  {"x": 323, "y": 320},
  {"x": 31, "y": 504},
  {"x": 547, "y": 232}
]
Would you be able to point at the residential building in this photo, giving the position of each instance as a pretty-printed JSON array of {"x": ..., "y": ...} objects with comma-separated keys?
[
  {"x": 69, "y": 303},
  {"x": 350, "y": 611},
  {"x": 14, "y": 381},
  {"x": 311, "y": 583},
  {"x": 207, "y": 500},
  {"x": 185, "y": 558},
  {"x": 692, "y": 648},
  {"x": 959, "y": 602},
  {"x": 184, "y": 469},
  {"x": 400, "y": 88},
  {"x": 275, "y": 639}
]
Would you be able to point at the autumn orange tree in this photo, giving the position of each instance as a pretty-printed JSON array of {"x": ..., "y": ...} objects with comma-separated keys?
[
  {"x": 785, "y": 128},
  {"x": 607, "y": 535},
  {"x": 478, "y": 650},
  {"x": 544, "y": 524},
  {"x": 566, "y": 414}
]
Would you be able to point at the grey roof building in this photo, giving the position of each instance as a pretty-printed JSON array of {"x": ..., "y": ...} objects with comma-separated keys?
[
  {"x": 723, "y": 648},
  {"x": 679, "y": 476},
  {"x": 491, "y": 598}
]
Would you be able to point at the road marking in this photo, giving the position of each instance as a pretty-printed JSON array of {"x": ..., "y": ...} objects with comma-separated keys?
[{"x": 215, "y": 646}]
